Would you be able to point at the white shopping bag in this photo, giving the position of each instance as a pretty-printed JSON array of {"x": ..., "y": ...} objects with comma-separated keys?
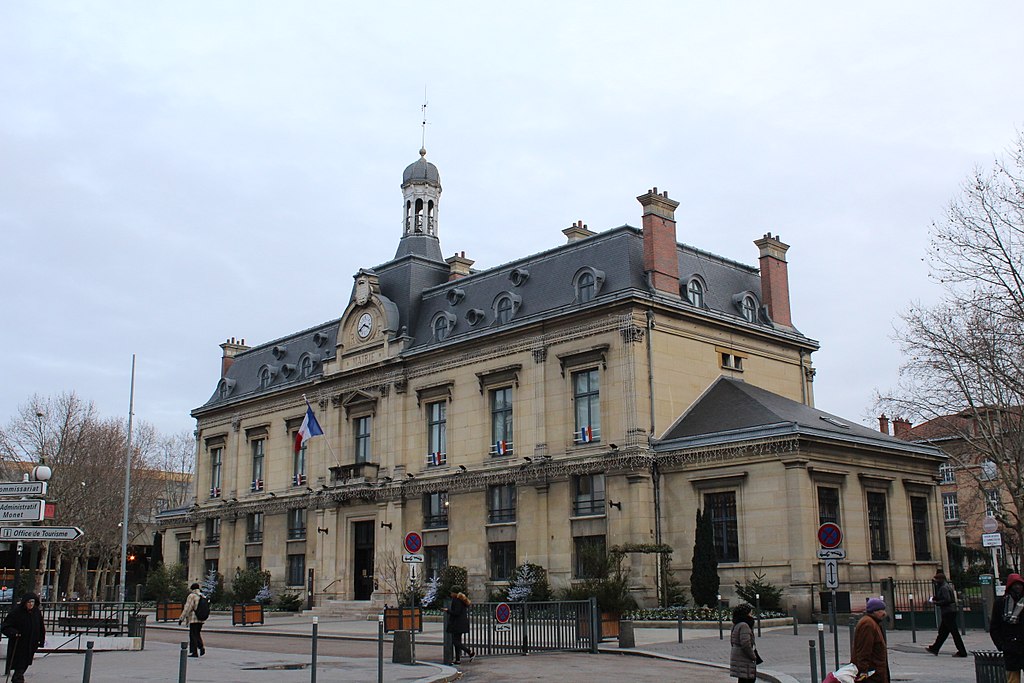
[{"x": 844, "y": 674}]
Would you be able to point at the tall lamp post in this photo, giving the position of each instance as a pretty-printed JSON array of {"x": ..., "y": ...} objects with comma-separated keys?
[{"x": 127, "y": 487}]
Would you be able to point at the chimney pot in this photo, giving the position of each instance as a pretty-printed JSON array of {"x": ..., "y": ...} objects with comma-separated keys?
[{"x": 883, "y": 424}]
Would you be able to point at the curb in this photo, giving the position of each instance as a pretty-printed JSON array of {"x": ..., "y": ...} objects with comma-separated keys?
[{"x": 762, "y": 674}]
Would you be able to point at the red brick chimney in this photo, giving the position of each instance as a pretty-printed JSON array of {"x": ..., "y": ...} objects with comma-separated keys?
[
  {"x": 775, "y": 279},
  {"x": 231, "y": 349},
  {"x": 661, "y": 260},
  {"x": 459, "y": 266},
  {"x": 900, "y": 427},
  {"x": 883, "y": 424}
]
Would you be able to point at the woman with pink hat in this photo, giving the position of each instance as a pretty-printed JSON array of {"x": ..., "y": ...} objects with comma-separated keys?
[{"x": 869, "y": 648}]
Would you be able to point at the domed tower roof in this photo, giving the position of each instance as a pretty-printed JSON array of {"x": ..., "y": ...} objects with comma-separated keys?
[{"x": 421, "y": 171}]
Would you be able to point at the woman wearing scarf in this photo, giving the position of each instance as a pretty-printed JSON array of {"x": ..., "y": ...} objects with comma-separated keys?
[
  {"x": 1007, "y": 627},
  {"x": 26, "y": 634},
  {"x": 743, "y": 657}
]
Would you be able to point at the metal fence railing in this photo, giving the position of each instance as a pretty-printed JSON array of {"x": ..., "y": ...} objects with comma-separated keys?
[
  {"x": 531, "y": 627},
  {"x": 98, "y": 618}
]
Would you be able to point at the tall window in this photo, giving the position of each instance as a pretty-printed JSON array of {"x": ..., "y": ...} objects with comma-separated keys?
[
  {"x": 501, "y": 421},
  {"x": 501, "y": 503},
  {"x": 435, "y": 559},
  {"x": 254, "y": 527},
  {"x": 503, "y": 560},
  {"x": 586, "y": 287},
  {"x": 437, "y": 433},
  {"x": 878, "y": 522},
  {"x": 950, "y": 507},
  {"x": 828, "y": 505},
  {"x": 695, "y": 293},
  {"x": 298, "y": 465},
  {"x": 213, "y": 531},
  {"x": 722, "y": 508},
  {"x": 588, "y": 556},
  {"x": 947, "y": 473},
  {"x": 992, "y": 502},
  {"x": 435, "y": 510},
  {"x": 588, "y": 494},
  {"x": 296, "y": 524},
  {"x": 296, "y": 570},
  {"x": 363, "y": 426},
  {"x": 257, "y": 465},
  {"x": 586, "y": 396},
  {"x": 216, "y": 456},
  {"x": 919, "y": 522}
]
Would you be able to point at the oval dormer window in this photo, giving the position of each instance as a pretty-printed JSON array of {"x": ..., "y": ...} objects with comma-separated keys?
[
  {"x": 519, "y": 276},
  {"x": 455, "y": 296}
]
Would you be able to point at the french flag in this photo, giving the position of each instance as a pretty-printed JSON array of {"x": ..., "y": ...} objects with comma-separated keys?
[
  {"x": 501, "y": 447},
  {"x": 586, "y": 434},
  {"x": 310, "y": 428}
]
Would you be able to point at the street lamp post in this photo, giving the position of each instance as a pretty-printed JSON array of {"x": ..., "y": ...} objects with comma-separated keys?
[{"x": 127, "y": 486}]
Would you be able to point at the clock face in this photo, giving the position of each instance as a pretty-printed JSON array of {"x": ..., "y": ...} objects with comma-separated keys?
[{"x": 365, "y": 325}]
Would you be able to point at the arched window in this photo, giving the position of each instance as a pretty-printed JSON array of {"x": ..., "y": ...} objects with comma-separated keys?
[
  {"x": 586, "y": 287},
  {"x": 419, "y": 216},
  {"x": 503, "y": 310},
  {"x": 265, "y": 377},
  {"x": 695, "y": 292},
  {"x": 443, "y": 325},
  {"x": 749, "y": 309},
  {"x": 306, "y": 366}
]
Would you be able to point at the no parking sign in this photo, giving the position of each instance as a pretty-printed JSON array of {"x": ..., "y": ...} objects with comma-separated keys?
[{"x": 502, "y": 614}]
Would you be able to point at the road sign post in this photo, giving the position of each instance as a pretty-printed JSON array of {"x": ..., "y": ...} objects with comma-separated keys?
[{"x": 413, "y": 545}]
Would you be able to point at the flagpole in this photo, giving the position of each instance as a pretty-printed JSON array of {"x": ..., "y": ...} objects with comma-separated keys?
[
  {"x": 326, "y": 439},
  {"x": 127, "y": 485}
]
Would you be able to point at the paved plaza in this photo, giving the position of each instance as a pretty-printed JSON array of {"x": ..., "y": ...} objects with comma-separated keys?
[{"x": 701, "y": 658}]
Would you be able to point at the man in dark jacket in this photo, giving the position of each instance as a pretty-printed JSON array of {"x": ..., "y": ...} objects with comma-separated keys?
[
  {"x": 945, "y": 599},
  {"x": 26, "y": 633},
  {"x": 1007, "y": 627}
]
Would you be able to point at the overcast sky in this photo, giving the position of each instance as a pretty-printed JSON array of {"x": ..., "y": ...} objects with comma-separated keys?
[{"x": 176, "y": 173}]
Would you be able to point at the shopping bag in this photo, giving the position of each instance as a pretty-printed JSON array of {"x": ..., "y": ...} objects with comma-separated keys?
[{"x": 844, "y": 674}]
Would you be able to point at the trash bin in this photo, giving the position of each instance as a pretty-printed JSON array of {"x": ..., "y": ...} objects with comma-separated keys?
[
  {"x": 989, "y": 666},
  {"x": 137, "y": 628}
]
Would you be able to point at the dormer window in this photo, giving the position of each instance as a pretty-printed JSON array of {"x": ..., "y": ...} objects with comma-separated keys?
[
  {"x": 748, "y": 308},
  {"x": 519, "y": 276},
  {"x": 443, "y": 325},
  {"x": 266, "y": 376},
  {"x": 225, "y": 387},
  {"x": 505, "y": 307},
  {"x": 587, "y": 283},
  {"x": 695, "y": 292},
  {"x": 455, "y": 296},
  {"x": 474, "y": 316},
  {"x": 307, "y": 365}
]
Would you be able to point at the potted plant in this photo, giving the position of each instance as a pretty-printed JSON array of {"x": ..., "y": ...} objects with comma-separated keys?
[
  {"x": 251, "y": 588},
  {"x": 607, "y": 581}
]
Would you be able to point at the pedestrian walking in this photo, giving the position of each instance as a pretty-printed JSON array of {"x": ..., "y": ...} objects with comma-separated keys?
[
  {"x": 945, "y": 599},
  {"x": 195, "y": 613},
  {"x": 1007, "y": 627},
  {"x": 870, "y": 653},
  {"x": 26, "y": 633},
  {"x": 458, "y": 623},
  {"x": 743, "y": 658}
]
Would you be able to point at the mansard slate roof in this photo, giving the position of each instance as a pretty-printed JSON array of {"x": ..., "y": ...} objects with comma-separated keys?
[
  {"x": 731, "y": 410},
  {"x": 542, "y": 286},
  {"x": 284, "y": 357}
]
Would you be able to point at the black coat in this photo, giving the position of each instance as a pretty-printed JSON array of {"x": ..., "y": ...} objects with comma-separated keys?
[
  {"x": 458, "y": 616},
  {"x": 1009, "y": 638},
  {"x": 26, "y": 634}
]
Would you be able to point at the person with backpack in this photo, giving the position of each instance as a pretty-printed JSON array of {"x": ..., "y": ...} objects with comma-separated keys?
[{"x": 195, "y": 613}]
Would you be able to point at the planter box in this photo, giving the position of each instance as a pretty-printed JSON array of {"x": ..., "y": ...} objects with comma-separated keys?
[
  {"x": 169, "y": 611},
  {"x": 79, "y": 609},
  {"x": 246, "y": 614},
  {"x": 609, "y": 626},
  {"x": 403, "y": 619}
]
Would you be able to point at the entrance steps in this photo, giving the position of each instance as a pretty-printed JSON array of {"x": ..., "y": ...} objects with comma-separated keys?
[{"x": 346, "y": 609}]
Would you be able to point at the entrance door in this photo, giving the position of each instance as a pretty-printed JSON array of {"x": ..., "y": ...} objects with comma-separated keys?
[{"x": 362, "y": 555}]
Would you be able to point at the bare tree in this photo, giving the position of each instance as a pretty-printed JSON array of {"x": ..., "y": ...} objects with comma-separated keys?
[{"x": 964, "y": 357}]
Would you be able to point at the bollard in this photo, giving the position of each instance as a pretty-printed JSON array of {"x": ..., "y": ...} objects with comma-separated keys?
[
  {"x": 87, "y": 673},
  {"x": 913, "y": 620},
  {"x": 448, "y": 655},
  {"x": 814, "y": 662},
  {"x": 719, "y": 605},
  {"x": 834, "y": 627},
  {"x": 380, "y": 648},
  {"x": 960, "y": 619},
  {"x": 679, "y": 624},
  {"x": 183, "y": 663},
  {"x": 821, "y": 645},
  {"x": 796, "y": 625},
  {"x": 757, "y": 602},
  {"x": 312, "y": 667}
]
